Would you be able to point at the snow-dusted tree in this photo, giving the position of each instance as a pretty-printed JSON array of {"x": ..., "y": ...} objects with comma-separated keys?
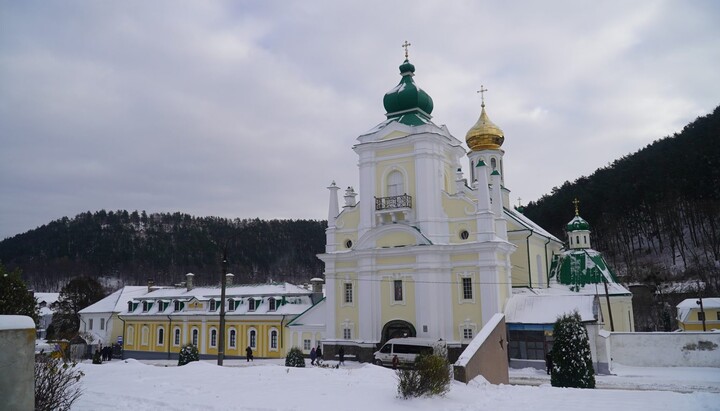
[
  {"x": 79, "y": 293},
  {"x": 572, "y": 360},
  {"x": 15, "y": 299},
  {"x": 295, "y": 358},
  {"x": 188, "y": 353}
]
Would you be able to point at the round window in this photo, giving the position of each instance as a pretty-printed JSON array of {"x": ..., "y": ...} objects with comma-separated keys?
[
  {"x": 464, "y": 234},
  {"x": 348, "y": 244}
]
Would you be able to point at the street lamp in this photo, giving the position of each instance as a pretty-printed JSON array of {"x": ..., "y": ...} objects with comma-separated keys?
[{"x": 223, "y": 280}]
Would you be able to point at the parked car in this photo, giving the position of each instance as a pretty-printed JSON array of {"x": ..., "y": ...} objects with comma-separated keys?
[{"x": 407, "y": 349}]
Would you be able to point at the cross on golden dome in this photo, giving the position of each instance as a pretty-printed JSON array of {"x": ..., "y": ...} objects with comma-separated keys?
[
  {"x": 405, "y": 46},
  {"x": 577, "y": 203},
  {"x": 482, "y": 94}
]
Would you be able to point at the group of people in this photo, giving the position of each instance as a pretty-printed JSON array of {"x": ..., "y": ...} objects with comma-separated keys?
[
  {"x": 316, "y": 356},
  {"x": 102, "y": 354}
]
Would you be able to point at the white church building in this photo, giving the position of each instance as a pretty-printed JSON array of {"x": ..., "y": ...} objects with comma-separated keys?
[{"x": 421, "y": 250}]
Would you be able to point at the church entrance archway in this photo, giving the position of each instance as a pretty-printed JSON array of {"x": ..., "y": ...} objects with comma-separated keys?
[{"x": 397, "y": 329}]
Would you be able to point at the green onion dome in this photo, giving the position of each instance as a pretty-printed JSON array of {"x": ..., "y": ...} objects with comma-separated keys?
[
  {"x": 407, "y": 97},
  {"x": 577, "y": 224}
]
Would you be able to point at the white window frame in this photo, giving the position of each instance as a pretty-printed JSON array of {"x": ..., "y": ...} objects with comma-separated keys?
[
  {"x": 347, "y": 329},
  {"x": 403, "y": 291},
  {"x": 395, "y": 183},
  {"x": 160, "y": 333},
  {"x": 345, "y": 303},
  {"x": 145, "y": 335},
  {"x": 177, "y": 337},
  {"x": 195, "y": 336},
  {"x": 102, "y": 323},
  {"x": 232, "y": 338},
  {"x": 252, "y": 339},
  {"x": 307, "y": 344},
  {"x": 130, "y": 335},
  {"x": 467, "y": 325},
  {"x": 253, "y": 304},
  {"x": 461, "y": 287},
  {"x": 270, "y": 339},
  {"x": 272, "y": 304},
  {"x": 213, "y": 337}
]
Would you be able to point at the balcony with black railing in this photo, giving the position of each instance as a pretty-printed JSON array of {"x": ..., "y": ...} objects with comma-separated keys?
[{"x": 393, "y": 202}]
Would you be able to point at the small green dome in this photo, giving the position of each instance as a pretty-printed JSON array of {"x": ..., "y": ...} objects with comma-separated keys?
[
  {"x": 407, "y": 96},
  {"x": 577, "y": 224}
]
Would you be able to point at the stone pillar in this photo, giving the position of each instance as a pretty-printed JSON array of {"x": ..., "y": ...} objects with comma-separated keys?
[{"x": 17, "y": 360}]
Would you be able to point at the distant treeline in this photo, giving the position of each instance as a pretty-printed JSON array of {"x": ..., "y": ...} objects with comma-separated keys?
[
  {"x": 655, "y": 213},
  {"x": 134, "y": 247}
]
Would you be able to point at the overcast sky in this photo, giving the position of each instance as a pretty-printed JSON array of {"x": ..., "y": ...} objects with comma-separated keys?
[{"x": 250, "y": 109}]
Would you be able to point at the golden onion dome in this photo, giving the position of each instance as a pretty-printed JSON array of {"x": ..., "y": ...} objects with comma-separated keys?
[{"x": 484, "y": 135}]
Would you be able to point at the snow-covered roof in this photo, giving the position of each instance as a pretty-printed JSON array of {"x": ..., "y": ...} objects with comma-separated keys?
[
  {"x": 313, "y": 316},
  {"x": 584, "y": 271},
  {"x": 47, "y": 298},
  {"x": 244, "y": 290},
  {"x": 686, "y": 306},
  {"x": 528, "y": 223},
  {"x": 545, "y": 306},
  {"x": 115, "y": 302}
]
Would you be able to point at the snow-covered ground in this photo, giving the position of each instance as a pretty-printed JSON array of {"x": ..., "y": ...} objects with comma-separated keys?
[{"x": 268, "y": 385}]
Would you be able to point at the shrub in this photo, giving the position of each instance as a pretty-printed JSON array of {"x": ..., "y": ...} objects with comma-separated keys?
[
  {"x": 430, "y": 376},
  {"x": 295, "y": 358},
  {"x": 571, "y": 357},
  {"x": 188, "y": 353},
  {"x": 57, "y": 383}
]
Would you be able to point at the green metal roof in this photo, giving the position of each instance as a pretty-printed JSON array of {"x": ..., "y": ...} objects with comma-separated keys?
[{"x": 578, "y": 268}]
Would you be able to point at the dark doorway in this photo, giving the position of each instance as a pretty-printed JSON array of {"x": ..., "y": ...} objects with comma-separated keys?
[{"x": 397, "y": 329}]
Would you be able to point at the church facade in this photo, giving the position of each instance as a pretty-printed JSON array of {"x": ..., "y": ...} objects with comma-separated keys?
[{"x": 425, "y": 251}]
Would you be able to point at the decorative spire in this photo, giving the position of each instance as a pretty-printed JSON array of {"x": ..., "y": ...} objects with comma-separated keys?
[
  {"x": 484, "y": 135},
  {"x": 482, "y": 95},
  {"x": 577, "y": 209},
  {"x": 405, "y": 46}
]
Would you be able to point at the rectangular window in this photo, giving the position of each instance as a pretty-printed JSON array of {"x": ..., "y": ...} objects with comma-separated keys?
[
  {"x": 273, "y": 304},
  {"x": 347, "y": 333},
  {"x": 467, "y": 333},
  {"x": 233, "y": 338},
  {"x": 90, "y": 323},
  {"x": 701, "y": 316},
  {"x": 398, "y": 290},
  {"x": 306, "y": 345},
  {"x": 102, "y": 323},
  {"x": 212, "y": 305},
  {"x": 348, "y": 293},
  {"x": 177, "y": 337},
  {"x": 253, "y": 304},
  {"x": 273, "y": 339},
  {"x": 213, "y": 338},
  {"x": 231, "y": 305},
  {"x": 467, "y": 288}
]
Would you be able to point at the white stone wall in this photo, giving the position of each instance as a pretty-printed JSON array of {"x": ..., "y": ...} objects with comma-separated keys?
[{"x": 658, "y": 349}]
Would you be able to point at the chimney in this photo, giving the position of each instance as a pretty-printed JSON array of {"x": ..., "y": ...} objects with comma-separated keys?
[
  {"x": 317, "y": 293},
  {"x": 151, "y": 284},
  {"x": 189, "y": 281},
  {"x": 229, "y": 279}
]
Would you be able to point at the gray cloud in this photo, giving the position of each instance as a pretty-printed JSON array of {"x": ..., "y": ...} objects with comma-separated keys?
[{"x": 245, "y": 109}]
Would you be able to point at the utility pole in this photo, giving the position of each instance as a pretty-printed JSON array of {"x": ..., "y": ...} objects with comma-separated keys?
[
  {"x": 223, "y": 285},
  {"x": 607, "y": 297},
  {"x": 700, "y": 303}
]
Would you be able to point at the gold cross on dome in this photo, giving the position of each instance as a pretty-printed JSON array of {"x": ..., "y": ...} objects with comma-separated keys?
[
  {"x": 405, "y": 46},
  {"x": 576, "y": 202},
  {"x": 482, "y": 94}
]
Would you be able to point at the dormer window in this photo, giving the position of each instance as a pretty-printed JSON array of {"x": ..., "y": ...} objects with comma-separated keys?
[
  {"x": 179, "y": 305},
  {"x": 231, "y": 305},
  {"x": 213, "y": 305},
  {"x": 273, "y": 304},
  {"x": 145, "y": 306},
  {"x": 253, "y": 304}
]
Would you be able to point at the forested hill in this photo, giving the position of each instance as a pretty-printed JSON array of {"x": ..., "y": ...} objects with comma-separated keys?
[
  {"x": 134, "y": 247},
  {"x": 655, "y": 213}
]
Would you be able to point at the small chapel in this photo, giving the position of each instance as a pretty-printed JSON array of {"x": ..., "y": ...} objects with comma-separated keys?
[{"x": 420, "y": 249}]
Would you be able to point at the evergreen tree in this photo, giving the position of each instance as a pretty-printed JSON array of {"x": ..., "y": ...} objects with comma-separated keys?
[
  {"x": 15, "y": 299},
  {"x": 571, "y": 357},
  {"x": 188, "y": 353},
  {"x": 295, "y": 358},
  {"x": 79, "y": 293}
]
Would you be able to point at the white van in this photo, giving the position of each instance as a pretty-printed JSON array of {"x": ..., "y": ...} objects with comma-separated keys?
[{"x": 407, "y": 349}]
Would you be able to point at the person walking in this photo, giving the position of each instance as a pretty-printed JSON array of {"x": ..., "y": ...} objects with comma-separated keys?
[
  {"x": 318, "y": 352},
  {"x": 341, "y": 355},
  {"x": 249, "y": 354},
  {"x": 313, "y": 356}
]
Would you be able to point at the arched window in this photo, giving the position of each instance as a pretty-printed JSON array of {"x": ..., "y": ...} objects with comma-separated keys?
[
  {"x": 395, "y": 184},
  {"x": 144, "y": 335},
  {"x": 233, "y": 338},
  {"x": 195, "y": 337},
  {"x": 161, "y": 336},
  {"x": 493, "y": 163},
  {"x": 130, "y": 335},
  {"x": 577, "y": 239},
  {"x": 252, "y": 338},
  {"x": 176, "y": 338},
  {"x": 273, "y": 339},
  {"x": 585, "y": 239},
  {"x": 213, "y": 337}
]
